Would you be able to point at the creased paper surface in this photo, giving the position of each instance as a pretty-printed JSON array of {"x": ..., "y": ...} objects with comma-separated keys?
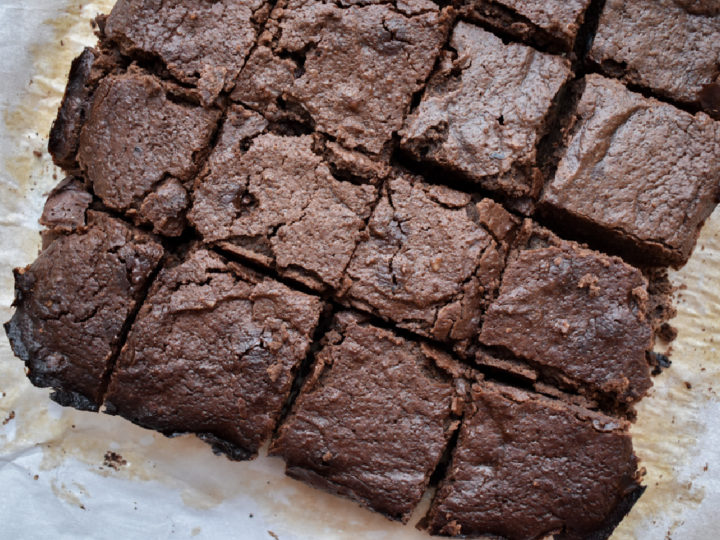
[{"x": 56, "y": 482}]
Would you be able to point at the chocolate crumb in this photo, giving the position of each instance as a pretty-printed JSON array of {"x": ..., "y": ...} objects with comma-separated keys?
[
  {"x": 9, "y": 417},
  {"x": 114, "y": 460},
  {"x": 688, "y": 385}
]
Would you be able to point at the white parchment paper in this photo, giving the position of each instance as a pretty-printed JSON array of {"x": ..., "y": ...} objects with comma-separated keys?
[{"x": 55, "y": 483}]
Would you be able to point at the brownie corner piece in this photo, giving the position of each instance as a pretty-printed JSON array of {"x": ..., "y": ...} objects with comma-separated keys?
[
  {"x": 374, "y": 418},
  {"x": 213, "y": 351},
  {"x": 577, "y": 316},
  {"x": 553, "y": 25},
  {"x": 656, "y": 169},
  {"x": 526, "y": 466},
  {"x": 345, "y": 69},
  {"x": 274, "y": 200},
  {"x": 670, "y": 47},
  {"x": 73, "y": 302},
  {"x": 431, "y": 260},
  {"x": 485, "y": 111}
]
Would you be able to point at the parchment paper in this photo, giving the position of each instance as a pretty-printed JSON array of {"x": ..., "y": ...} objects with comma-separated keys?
[{"x": 55, "y": 483}]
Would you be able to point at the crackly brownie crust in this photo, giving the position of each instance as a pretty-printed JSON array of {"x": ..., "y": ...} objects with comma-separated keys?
[
  {"x": 373, "y": 419},
  {"x": 432, "y": 259},
  {"x": 485, "y": 110},
  {"x": 654, "y": 167},
  {"x": 73, "y": 302},
  {"x": 526, "y": 466},
  {"x": 214, "y": 351}
]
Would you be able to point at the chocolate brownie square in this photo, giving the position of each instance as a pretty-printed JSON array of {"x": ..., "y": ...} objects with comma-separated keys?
[
  {"x": 199, "y": 42},
  {"x": 73, "y": 303},
  {"x": 271, "y": 199},
  {"x": 578, "y": 317},
  {"x": 140, "y": 146},
  {"x": 671, "y": 47},
  {"x": 526, "y": 466},
  {"x": 485, "y": 111},
  {"x": 373, "y": 419},
  {"x": 432, "y": 259},
  {"x": 551, "y": 24},
  {"x": 348, "y": 69},
  {"x": 214, "y": 350},
  {"x": 638, "y": 176}
]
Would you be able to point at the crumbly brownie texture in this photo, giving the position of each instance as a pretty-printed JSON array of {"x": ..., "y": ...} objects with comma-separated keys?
[
  {"x": 373, "y": 419},
  {"x": 73, "y": 302},
  {"x": 531, "y": 467},
  {"x": 139, "y": 147},
  {"x": 66, "y": 206},
  {"x": 347, "y": 69},
  {"x": 199, "y": 42},
  {"x": 548, "y": 23},
  {"x": 637, "y": 174},
  {"x": 578, "y": 316},
  {"x": 485, "y": 110},
  {"x": 432, "y": 260},
  {"x": 214, "y": 350},
  {"x": 278, "y": 204},
  {"x": 669, "y": 46}
]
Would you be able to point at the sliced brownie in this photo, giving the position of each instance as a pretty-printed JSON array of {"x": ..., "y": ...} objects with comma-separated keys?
[
  {"x": 140, "y": 146},
  {"x": 578, "y": 317},
  {"x": 485, "y": 110},
  {"x": 73, "y": 303},
  {"x": 526, "y": 466},
  {"x": 214, "y": 350},
  {"x": 346, "y": 69},
  {"x": 273, "y": 200},
  {"x": 638, "y": 175},
  {"x": 372, "y": 421},
  {"x": 669, "y": 46},
  {"x": 552, "y": 24},
  {"x": 199, "y": 42},
  {"x": 432, "y": 259}
]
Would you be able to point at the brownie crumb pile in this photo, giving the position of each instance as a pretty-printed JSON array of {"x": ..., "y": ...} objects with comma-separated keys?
[{"x": 407, "y": 244}]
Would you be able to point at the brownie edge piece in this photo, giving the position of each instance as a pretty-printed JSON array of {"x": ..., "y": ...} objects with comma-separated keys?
[
  {"x": 373, "y": 419},
  {"x": 213, "y": 351},
  {"x": 527, "y": 466},
  {"x": 637, "y": 175},
  {"x": 73, "y": 302}
]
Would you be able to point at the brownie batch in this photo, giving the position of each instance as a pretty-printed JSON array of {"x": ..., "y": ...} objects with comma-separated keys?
[{"x": 404, "y": 243}]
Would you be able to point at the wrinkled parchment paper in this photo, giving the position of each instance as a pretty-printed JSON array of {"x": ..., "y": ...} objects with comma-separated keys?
[{"x": 56, "y": 483}]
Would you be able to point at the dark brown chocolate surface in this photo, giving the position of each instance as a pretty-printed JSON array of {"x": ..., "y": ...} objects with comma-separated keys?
[
  {"x": 551, "y": 24},
  {"x": 638, "y": 175},
  {"x": 530, "y": 467},
  {"x": 139, "y": 147},
  {"x": 485, "y": 110},
  {"x": 671, "y": 47},
  {"x": 349, "y": 69},
  {"x": 577, "y": 315},
  {"x": 273, "y": 200},
  {"x": 73, "y": 302},
  {"x": 373, "y": 419},
  {"x": 432, "y": 259},
  {"x": 214, "y": 350}
]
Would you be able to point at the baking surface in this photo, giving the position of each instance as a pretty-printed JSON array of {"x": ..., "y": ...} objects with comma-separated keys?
[{"x": 57, "y": 480}]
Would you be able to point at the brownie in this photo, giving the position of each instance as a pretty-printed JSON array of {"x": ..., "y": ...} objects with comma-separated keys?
[
  {"x": 374, "y": 417},
  {"x": 526, "y": 466},
  {"x": 141, "y": 145},
  {"x": 73, "y": 302},
  {"x": 199, "y": 42},
  {"x": 580, "y": 318},
  {"x": 271, "y": 199},
  {"x": 348, "y": 69},
  {"x": 671, "y": 47},
  {"x": 66, "y": 206},
  {"x": 485, "y": 110},
  {"x": 214, "y": 350},
  {"x": 432, "y": 260},
  {"x": 638, "y": 176},
  {"x": 551, "y": 24}
]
